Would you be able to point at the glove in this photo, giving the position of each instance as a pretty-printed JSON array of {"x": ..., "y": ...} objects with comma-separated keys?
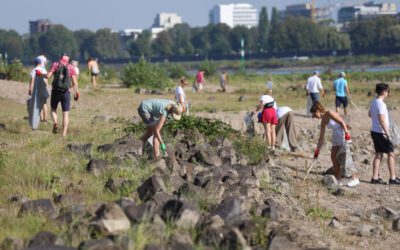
[
  {"x": 347, "y": 136},
  {"x": 316, "y": 153},
  {"x": 76, "y": 96},
  {"x": 163, "y": 148},
  {"x": 348, "y": 97},
  {"x": 251, "y": 113},
  {"x": 38, "y": 72}
]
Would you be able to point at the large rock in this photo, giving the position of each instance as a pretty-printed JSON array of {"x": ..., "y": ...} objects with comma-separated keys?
[
  {"x": 83, "y": 149},
  {"x": 208, "y": 156},
  {"x": 234, "y": 240},
  {"x": 43, "y": 238},
  {"x": 180, "y": 241},
  {"x": 101, "y": 244},
  {"x": 202, "y": 178},
  {"x": 183, "y": 213},
  {"x": 96, "y": 166},
  {"x": 138, "y": 213},
  {"x": 129, "y": 146},
  {"x": 276, "y": 211},
  {"x": 41, "y": 206},
  {"x": 385, "y": 212},
  {"x": 230, "y": 208},
  {"x": 365, "y": 230},
  {"x": 70, "y": 213},
  {"x": 116, "y": 185},
  {"x": 330, "y": 181},
  {"x": 111, "y": 219},
  {"x": 151, "y": 186},
  {"x": 12, "y": 244}
]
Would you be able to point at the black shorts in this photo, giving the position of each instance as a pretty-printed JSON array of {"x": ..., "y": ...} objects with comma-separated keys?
[
  {"x": 94, "y": 74},
  {"x": 341, "y": 100},
  {"x": 381, "y": 143},
  {"x": 63, "y": 97}
]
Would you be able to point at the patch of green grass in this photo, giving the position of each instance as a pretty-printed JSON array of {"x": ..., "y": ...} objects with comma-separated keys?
[
  {"x": 319, "y": 213},
  {"x": 255, "y": 148}
]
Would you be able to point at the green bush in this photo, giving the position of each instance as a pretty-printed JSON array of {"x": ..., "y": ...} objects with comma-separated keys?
[
  {"x": 145, "y": 74},
  {"x": 15, "y": 71},
  {"x": 209, "y": 68},
  {"x": 176, "y": 71}
]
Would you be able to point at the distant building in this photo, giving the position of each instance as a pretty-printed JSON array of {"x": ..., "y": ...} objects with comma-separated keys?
[
  {"x": 166, "y": 20},
  {"x": 305, "y": 10},
  {"x": 234, "y": 15},
  {"x": 367, "y": 10},
  {"x": 40, "y": 26}
]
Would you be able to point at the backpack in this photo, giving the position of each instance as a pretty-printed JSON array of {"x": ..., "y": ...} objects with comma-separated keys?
[{"x": 61, "y": 81}]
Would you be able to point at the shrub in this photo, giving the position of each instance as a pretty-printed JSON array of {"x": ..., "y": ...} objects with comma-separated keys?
[
  {"x": 145, "y": 74},
  {"x": 15, "y": 71},
  {"x": 209, "y": 67},
  {"x": 176, "y": 71}
]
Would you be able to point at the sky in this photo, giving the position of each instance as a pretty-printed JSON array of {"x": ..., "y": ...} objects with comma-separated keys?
[{"x": 124, "y": 14}]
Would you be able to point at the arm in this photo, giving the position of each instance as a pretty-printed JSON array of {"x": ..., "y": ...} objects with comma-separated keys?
[
  {"x": 384, "y": 126},
  {"x": 181, "y": 101},
  {"x": 74, "y": 83},
  {"x": 369, "y": 113},
  {"x": 347, "y": 91},
  {"x": 259, "y": 107},
  {"x": 30, "y": 89},
  {"x": 334, "y": 116},
  {"x": 158, "y": 128},
  {"x": 321, "y": 139}
]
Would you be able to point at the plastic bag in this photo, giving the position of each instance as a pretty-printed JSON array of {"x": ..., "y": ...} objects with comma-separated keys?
[
  {"x": 345, "y": 159},
  {"x": 394, "y": 132},
  {"x": 249, "y": 122}
]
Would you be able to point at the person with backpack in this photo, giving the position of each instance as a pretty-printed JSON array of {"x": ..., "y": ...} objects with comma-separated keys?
[{"x": 64, "y": 79}]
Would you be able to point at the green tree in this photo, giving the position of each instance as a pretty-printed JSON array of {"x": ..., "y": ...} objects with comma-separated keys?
[
  {"x": 105, "y": 44},
  {"x": 163, "y": 44},
  {"x": 263, "y": 29},
  {"x": 58, "y": 40},
  {"x": 84, "y": 40},
  {"x": 275, "y": 38},
  {"x": 237, "y": 34},
  {"x": 141, "y": 46},
  {"x": 200, "y": 40},
  {"x": 11, "y": 43},
  {"x": 181, "y": 34}
]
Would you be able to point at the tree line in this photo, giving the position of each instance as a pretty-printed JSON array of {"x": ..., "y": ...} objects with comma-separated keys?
[{"x": 293, "y": 34}]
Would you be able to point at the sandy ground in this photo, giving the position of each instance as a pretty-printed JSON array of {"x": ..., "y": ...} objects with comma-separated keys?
[{"x": 348, "y": 209}]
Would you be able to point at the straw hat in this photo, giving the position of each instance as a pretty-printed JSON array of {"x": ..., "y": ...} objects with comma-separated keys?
[{"x": 177, "y": 110}]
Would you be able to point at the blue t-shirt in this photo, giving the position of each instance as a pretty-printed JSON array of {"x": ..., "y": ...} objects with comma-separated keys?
[
  {"x": 340, "y": 86},
  {"x": 156, "y": 107}
]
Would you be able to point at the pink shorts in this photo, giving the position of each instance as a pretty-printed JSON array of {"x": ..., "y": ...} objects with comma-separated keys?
[{"x": 269, "y": 116}]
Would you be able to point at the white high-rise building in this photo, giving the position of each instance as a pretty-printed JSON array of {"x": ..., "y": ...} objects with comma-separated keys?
[
  {"x": 166, "y": 20},
  {"x": 233, "y": 15}
]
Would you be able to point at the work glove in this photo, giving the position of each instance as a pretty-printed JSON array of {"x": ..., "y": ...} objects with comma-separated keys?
[
  {"x": 76, "y": 96},
  {"x": 347, "y": 136},
  {"x": 163, "y": 148},
  {"x": 349, "y": 98},
  {"x": 251, "y": 113},
  {"x": 316, "y": 153},
  {"x": 38, "y": 72}
]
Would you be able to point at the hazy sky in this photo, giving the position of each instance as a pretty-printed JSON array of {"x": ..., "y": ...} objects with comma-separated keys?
[{"x": 121, "y": 14}]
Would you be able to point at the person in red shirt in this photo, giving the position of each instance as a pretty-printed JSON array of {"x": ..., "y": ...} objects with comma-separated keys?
[
  {"x": 62, "y": 95},
  {"x": 200, "y": 80}
]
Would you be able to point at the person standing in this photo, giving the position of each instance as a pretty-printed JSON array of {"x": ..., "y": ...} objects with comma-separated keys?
[
  {"x": 286, "y": 123},
  {"x": 268, "y": 118},
  {"x": 314, "y": 86},
  {"x": 380, "y": 134},
  {"x": 223, "y": 81},
  {"x": 200, "y": 81},
  {"x": 342, "y": 92},
  {"x": 76, "y": 68},
  {"x": 180, "y": 96},
  {"x": 94, "y": 71},
  {"x": 64, "y": 75},
  {"x": 154, "y": 113},
  {"x": 340, "y": 133},
  {"x": 40, "y": 63}
]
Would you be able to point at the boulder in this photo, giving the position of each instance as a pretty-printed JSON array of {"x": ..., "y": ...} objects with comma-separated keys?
[
  {"x": 43, "y": 238},
  {"x": 183, "y": 213},
  {"x": 180, "y": 241},
  {"x": 365, "y": 230},
  {"x": 234, "y": 240},
  {"x": 12, "y": 244},
  {"x": 385, "y": 212},
  {"x": 330, "y": 181},
  {"x": 111, "y": 219},
  {"x": 202, "y": 178},
  {"x": 97, "y": 166},
  {"x": 129, "y": 146},
  {"x": 230, "y": 208},
  {"x": 83, "y": 149},
  {"x": 42, "y": 206},
  {"x": 116, "y": 185},
  {"x": 101, "y": 244},
  {"x": 208, "y": 156},
  {"x": 151, "y": 186},
  {"x": 70, "y": 213},
  {"x": 138, "y": 213}
]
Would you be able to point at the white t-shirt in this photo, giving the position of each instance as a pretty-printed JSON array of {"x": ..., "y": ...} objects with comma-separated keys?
[
  {"x": 267, "y": 99},
  {"x": 41, "y": 68},
  {"x": 378, "y": 107},
  {"x": 314, "y": 84},
  {"x": 281, "y": 111},
  {"x": 179, "y": 91}
]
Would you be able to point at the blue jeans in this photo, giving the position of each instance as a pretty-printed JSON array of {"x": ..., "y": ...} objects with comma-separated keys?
[{"x": 314, "y": 97}]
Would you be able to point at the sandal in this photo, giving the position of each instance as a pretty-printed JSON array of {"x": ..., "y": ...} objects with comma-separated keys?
[{"x": 55, "y": 128}]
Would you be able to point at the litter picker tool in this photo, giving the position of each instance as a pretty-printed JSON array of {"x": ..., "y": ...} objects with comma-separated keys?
[
  {"x": 309, "y": 168},
  {"x": 355, "y": 106}
]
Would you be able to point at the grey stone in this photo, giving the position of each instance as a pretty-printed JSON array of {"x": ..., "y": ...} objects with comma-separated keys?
[
  {"x": 141, "y": 91},
  {"x": 111, "y": 219},
  {"x": 234, "y": 240},
  {"x": 364, "y": 230},
  {"x": 116, "y": 185},
  {"x": 97, "y": 166},
  {"x": 83, "y": 149},
  {"x": 138, "y": 213},
  {"x": 261, "y": 172},
  {"x": 250, "y": 181},
  {"x": 241, "y": 98},
  {"x": 335, "y": 223},
  {"x": 69, "y": 213},
  {"x": 42, "y": 206},
  {"x": 12, "y": 244},
  {"x": 276, "y": 210},
  {"x": 330, "y": 181},
  {"x": 396, "y": 225},
  {"x": 339, "y": 192},
  {"x": 125, "y": 202},
  {"x": 189, "y": 190},
  {"x": 151, "y": 186},
  {"x": 385, "y": 212},
  {"x": 227, "y": 155},
  {"x": 160, "y": 198},
  {"x": 229, "y": 208},
  {"x": 181, "y": 241},
  {"x": 45, "y": 239},
  {"x": 201, "y": 179},
  {"x": 101, "y": 244},
  {"x": 183, "y": 213},
  {"x": 208, "y": 156},
  {"x": 124, "y": 147},
  {"x": 173, "y": 182}
]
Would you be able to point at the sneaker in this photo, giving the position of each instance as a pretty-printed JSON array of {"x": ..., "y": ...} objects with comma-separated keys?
[
  {"x": 378, "y": 181},
  {"x": 353, "y": 182},
  {"x": 55, "y": 128},
  {"x": 396, "y": 181}
]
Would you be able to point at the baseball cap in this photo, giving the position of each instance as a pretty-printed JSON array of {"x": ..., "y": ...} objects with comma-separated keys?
[
  {"x": 316, "y": 72},
  {"x": 177, "y": 111}
]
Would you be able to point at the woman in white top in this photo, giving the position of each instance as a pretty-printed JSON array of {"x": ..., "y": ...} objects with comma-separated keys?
[
  {"x": 180, "y": 96},
  {"x": 333, "y": 121},
  {"x": 40, "y": 63}
]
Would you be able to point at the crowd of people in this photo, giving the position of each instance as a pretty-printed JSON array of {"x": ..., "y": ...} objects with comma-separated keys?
[{"x": 278, "y": 121}]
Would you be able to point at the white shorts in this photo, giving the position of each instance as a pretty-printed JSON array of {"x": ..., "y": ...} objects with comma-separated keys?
[
  {"x": 337, "y": 137},
  {"x": 200, "y": 86}
]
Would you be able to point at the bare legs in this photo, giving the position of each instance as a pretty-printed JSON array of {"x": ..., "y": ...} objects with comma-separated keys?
[
  {"x": 94, "y": 81},
  {"x": 65, "y": 121},
  {"x": 270, "y": 134},
  {"x": 376, "y": 164},
  {"x": 43, "y": 113}
]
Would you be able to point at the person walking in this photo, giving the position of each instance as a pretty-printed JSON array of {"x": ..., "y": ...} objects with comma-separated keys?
[
  {"x": 180, "y": 96},
  {"x": 94, "y": 71},
  {"x": 223, "y": 81},
  {"x": 286, "y": 124},
  {"x": 64, "y": 74},
  {"x": 314, "y": 86},
  {"x": 340, "y": 133},
  {"x": 380, "y": 134},
  {"x": 342, "y": 92},
  {"x": 154, "y": 113},
  {"x": 268, "y": 118},
  {"x": 40, "y": 63},
  {"x": 200, "y": 81}
]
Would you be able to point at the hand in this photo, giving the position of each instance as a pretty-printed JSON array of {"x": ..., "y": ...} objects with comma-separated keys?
[
  {"x": 251, "y": 113},
  {"x": 306, "y": 93},
  {"x": 348, "y": 97},
  {"x": 163, "y": 148},
  {"x": 316, "y": 153},
  {"x": 347, "y": 136},
  {"x": 38, "y": 72},
  {"x": 76, "y": 96},
  {"x": 29, "y": 92}
]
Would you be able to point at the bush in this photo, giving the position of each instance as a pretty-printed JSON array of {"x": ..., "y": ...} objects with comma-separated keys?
[
  {"x": 15, "y": 71},
  {"x": 145, "y": 74},
  {"x": 176, "y": 71},
  {"x": 210, "y": 68}
]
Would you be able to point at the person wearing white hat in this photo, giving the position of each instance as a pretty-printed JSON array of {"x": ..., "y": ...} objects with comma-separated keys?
[
  {"x": 154, "y": 113},
  {"x": 341, "y": 89},
  {"x": 313, "y": 87},
  {"x": 40, "y": 63}
]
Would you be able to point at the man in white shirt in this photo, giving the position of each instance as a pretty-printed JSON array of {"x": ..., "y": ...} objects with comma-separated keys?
[
  {"x": 286, "y": 122},
  {"x": 180, "y": 96},
  {"x": 380, "y": 135},
  {"x": 313, "y": 87}
]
